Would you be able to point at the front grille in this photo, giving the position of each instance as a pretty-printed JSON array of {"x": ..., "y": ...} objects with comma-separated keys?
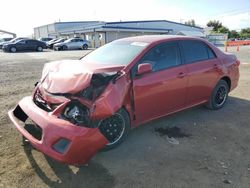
[{"x": 28, "y": 124}]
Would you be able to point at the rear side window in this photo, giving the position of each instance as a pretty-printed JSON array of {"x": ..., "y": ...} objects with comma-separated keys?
[
  {"x": 163, "y": 56},
  {"x": 211, "y": 54},
  {"x": 196, "y": 51}
]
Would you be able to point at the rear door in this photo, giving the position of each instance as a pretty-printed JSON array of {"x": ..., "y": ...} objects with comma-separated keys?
[
  {"x": 32, "y": 45},
  {"x": 29, "y": 45},
  {"x": 164, "y": 89},
  {"x": 203, "y": 70}
]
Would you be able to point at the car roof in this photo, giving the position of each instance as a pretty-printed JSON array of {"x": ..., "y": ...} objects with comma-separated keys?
[{"x": 156, "y": 38}]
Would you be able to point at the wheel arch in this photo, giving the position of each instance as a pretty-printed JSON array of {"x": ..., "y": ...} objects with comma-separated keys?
[
  {"x": 228, "y": 80},
  {"x": 130, "y": 115}
]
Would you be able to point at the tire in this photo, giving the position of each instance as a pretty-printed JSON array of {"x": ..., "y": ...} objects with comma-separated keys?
[
  {"x": 39, "y": 49},
  {"x": 115, "y": 128},
  {"x": 85, "y": 47},
  {"x": 13, "y": 49},
  {"x": 64, "y": 47},
  {"x": 219, "y": 96}
]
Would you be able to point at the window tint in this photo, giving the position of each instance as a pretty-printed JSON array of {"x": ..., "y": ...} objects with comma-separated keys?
[
  {"x": 22, "y": 42},
  {"x": 163, "y": 56},
  {"x": 211, "y": 54},
  {"x": 194, "y": 51}
]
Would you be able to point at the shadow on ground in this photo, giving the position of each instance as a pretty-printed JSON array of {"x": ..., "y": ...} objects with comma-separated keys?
[{"x": 94, "y": 175}]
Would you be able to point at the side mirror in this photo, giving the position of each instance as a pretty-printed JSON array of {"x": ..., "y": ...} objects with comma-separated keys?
[{"x": 144, "y": 68}]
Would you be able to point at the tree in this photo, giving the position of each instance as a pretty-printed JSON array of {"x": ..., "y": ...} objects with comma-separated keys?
[
  {"x": 223, "y": 29},
  {"x": 190, "y": 22},
  {"x": 245, "y": 33},
  {"x": 233, "y": 34},
  {"x": 215, "y": 24}
]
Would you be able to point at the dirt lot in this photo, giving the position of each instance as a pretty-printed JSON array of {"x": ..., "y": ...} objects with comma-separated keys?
[{"x": 216, "y": 153}]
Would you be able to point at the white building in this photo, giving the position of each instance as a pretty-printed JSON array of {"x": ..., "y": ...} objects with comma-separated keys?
[{"x": 99, "y": 32}]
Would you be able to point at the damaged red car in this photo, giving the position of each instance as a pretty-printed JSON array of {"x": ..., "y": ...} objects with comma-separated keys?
[{"x": 82, "y": 106}]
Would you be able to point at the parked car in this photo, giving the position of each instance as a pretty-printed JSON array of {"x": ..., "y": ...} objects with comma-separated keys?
[
  {"x": 5, "y": 39},
  {"x": 51, "y": 43},
  {"x": 45, "y": 39},
  {"x": 24, "y": 45},
  {"x": 11, "y": 41},
  {"x": 82, "y": 106},
  {"x": 73, "y": 44}
]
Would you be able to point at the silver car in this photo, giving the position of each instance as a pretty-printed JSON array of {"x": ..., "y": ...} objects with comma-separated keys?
[{"x": 73, "y": 44}]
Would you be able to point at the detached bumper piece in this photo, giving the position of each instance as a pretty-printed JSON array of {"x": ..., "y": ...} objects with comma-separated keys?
[{"x": 55, "y": 137}]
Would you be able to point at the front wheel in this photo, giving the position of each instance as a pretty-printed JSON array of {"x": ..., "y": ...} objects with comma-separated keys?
[
  {"x": 219, "y": 96},
  {"x": 13, "y": 49},
  {"x": 39, "y": 49},
  {"x": 115, "y": 128},
  {"x": 64, "y": 47}
]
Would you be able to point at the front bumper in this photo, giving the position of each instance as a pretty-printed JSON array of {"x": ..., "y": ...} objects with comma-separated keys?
[{"x": 84, "y": 142}]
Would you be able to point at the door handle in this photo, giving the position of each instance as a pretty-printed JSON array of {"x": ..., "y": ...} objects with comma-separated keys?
[{"x": 181, "y": 75}]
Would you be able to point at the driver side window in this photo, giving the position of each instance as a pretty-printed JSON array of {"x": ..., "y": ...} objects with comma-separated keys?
[
  {"x": 22, "y": 42},
  {"x": 161, "y": 57}
]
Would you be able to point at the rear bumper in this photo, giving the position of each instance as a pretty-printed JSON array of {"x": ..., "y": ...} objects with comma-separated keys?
[{"x": 83, "y": 142}]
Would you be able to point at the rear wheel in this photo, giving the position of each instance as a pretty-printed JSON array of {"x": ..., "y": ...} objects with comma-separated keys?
[
  {"x": 13, "y": 49},
  {"x": 219, "y": 96},
  {"x": 115, "y": 128}
]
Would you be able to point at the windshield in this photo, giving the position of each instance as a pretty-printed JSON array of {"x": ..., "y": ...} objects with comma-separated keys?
[
  {"x": 15, "y": 40},
  {"x": 118, "y": 53},
  {"x": 68, "y": 40},
  {"x": 53, "y": 40},
  {"x": 60, "y": 40}
]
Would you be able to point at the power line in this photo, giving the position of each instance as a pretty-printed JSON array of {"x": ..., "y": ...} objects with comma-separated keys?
[{"x": 232, "y": 12}]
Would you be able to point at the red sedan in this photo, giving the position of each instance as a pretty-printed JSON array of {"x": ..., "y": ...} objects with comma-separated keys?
[{"x": 81, "y": 106}]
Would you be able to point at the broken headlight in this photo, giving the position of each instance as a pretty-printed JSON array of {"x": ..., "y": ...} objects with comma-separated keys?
[{"x": 76, "y": 113}]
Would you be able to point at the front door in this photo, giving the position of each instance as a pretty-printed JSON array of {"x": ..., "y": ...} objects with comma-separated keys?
[{"x": 163, "y": 90}]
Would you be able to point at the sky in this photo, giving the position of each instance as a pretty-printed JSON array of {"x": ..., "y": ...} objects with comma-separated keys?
[{"x": 21, "y": 16}]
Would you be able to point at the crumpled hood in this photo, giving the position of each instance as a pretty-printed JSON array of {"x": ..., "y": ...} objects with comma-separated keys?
[{"x": 71, "y": 76}]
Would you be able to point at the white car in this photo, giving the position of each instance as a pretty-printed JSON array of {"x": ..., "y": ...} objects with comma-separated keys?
[{"x": 73, "y": 44}]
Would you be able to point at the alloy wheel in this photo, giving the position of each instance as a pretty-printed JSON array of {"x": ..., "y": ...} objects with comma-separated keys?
[{"x": 113, "y": 128}]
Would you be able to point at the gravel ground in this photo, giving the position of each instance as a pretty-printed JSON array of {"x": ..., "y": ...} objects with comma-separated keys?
[{"x": 214, "y": 151}]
